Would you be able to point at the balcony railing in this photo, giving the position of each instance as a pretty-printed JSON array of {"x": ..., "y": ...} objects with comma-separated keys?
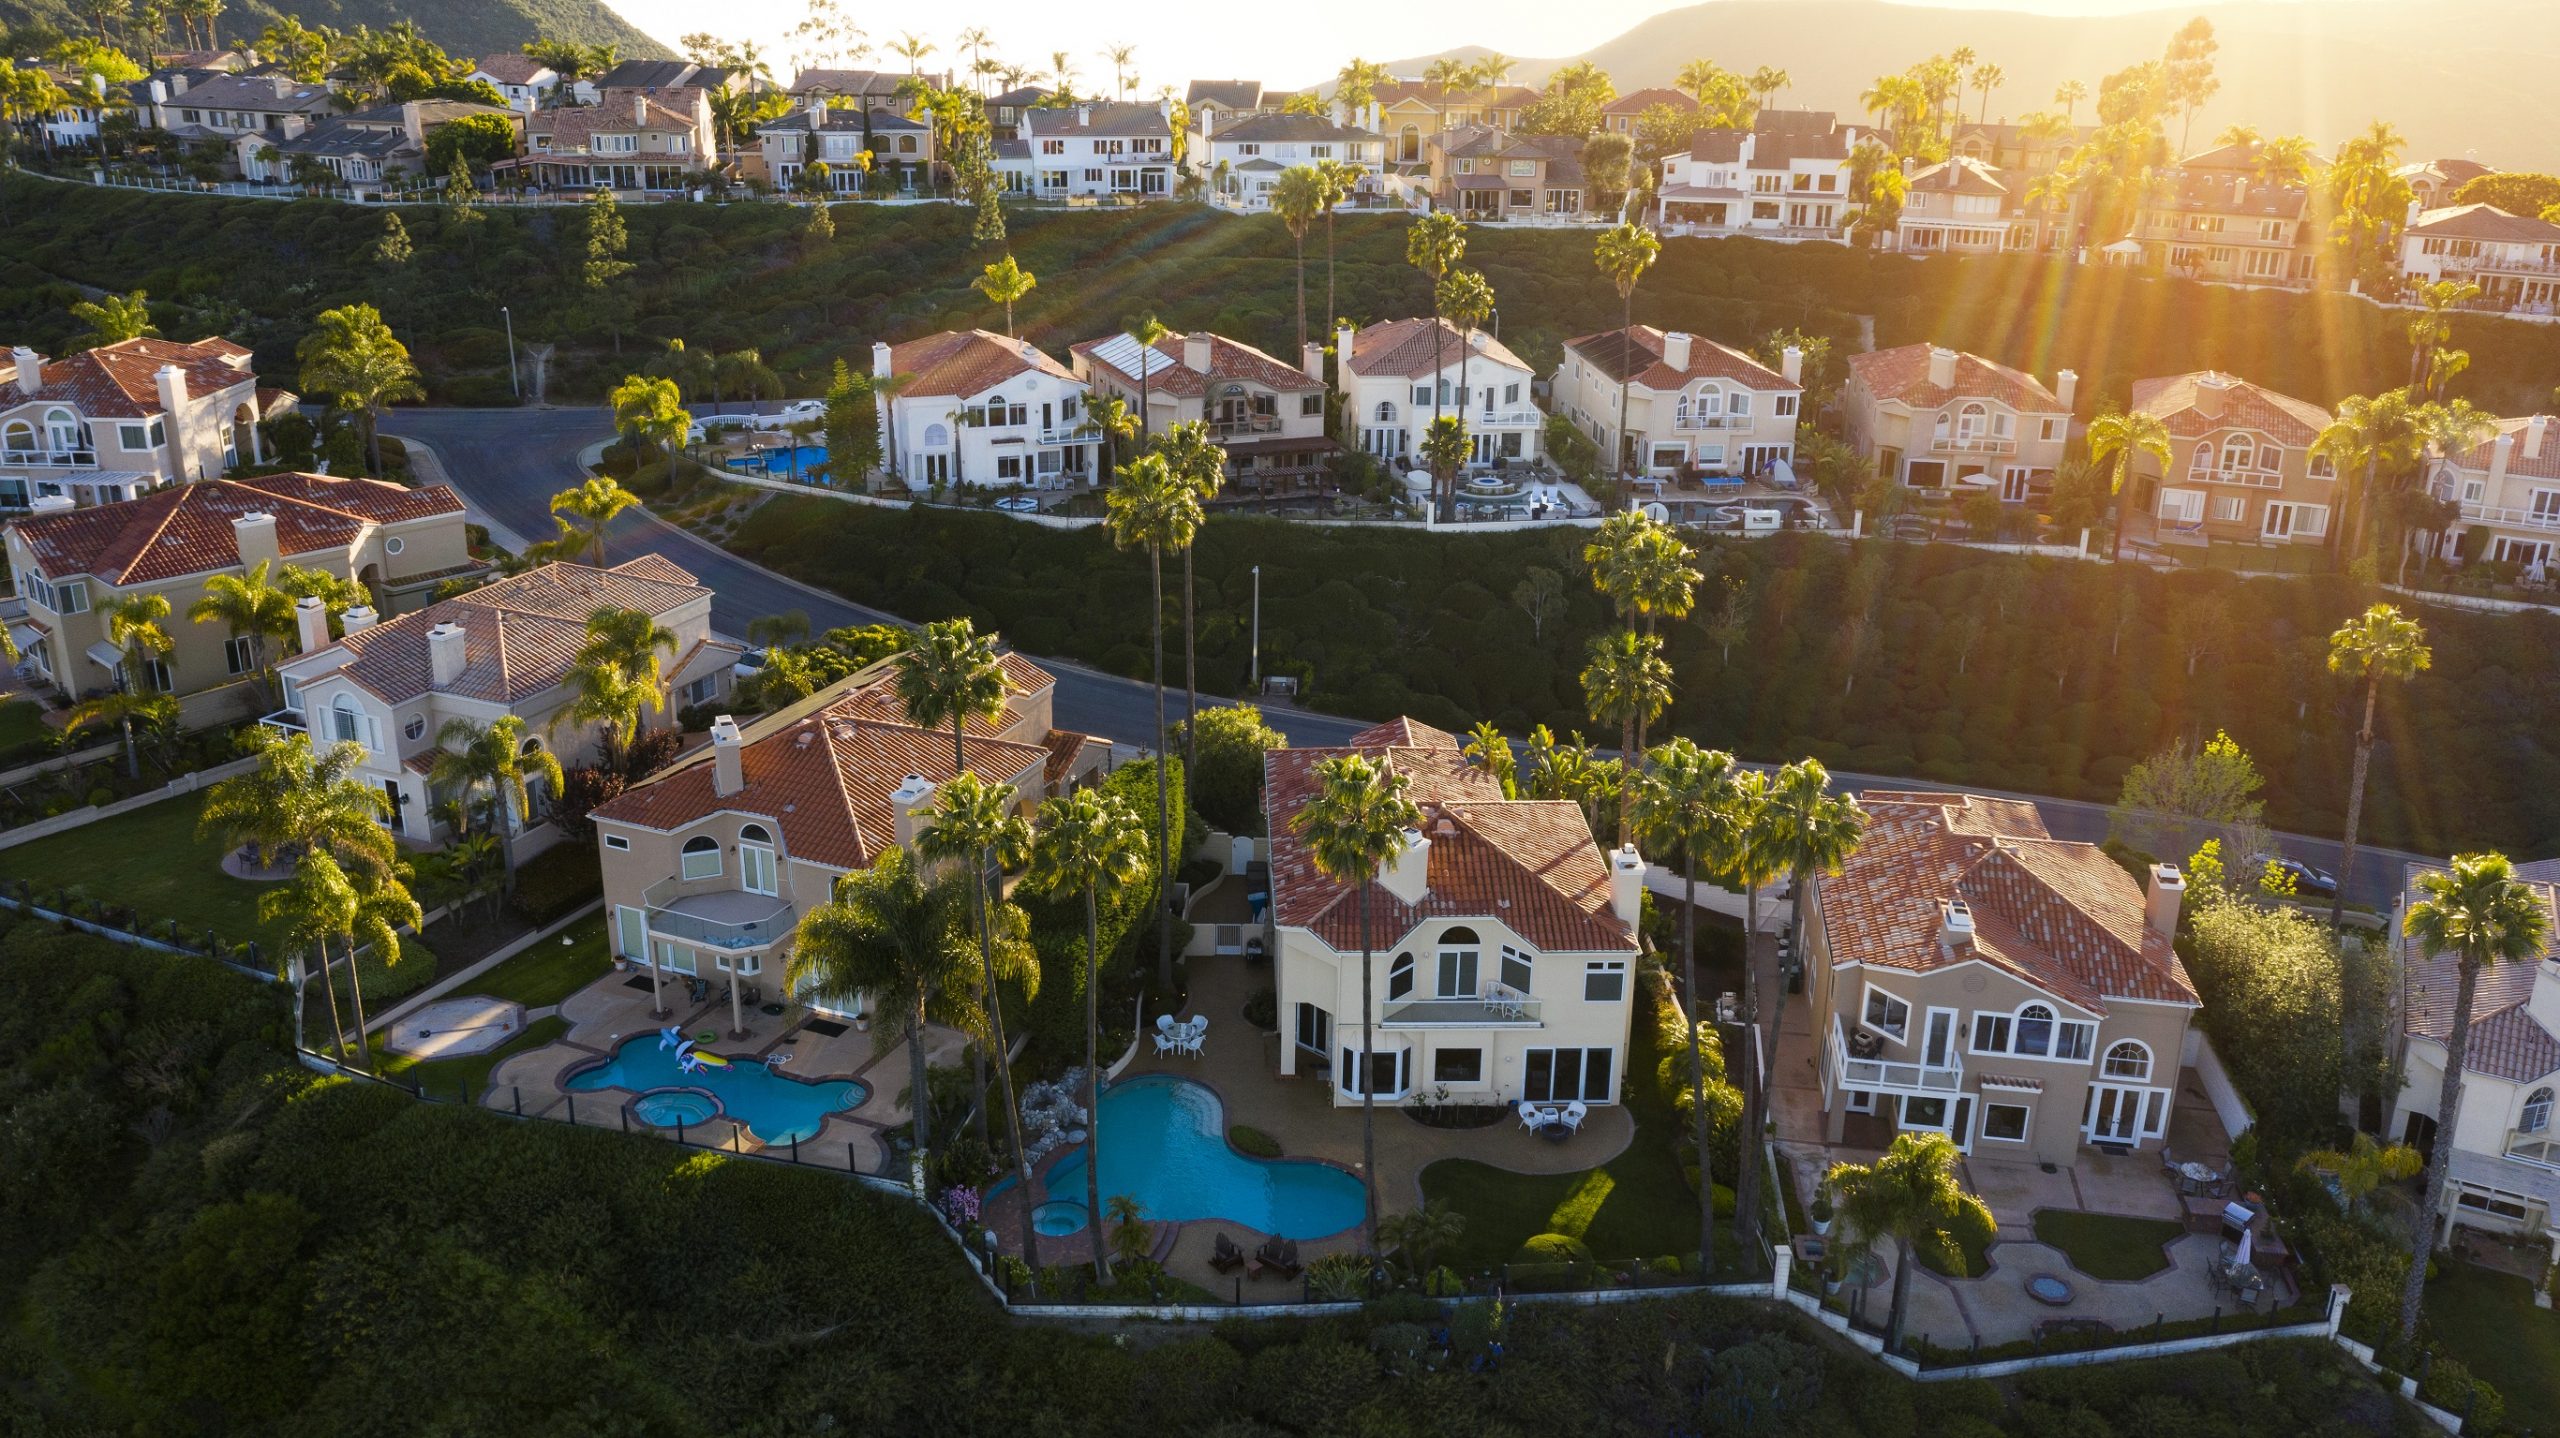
[
  {"x": 2255, "y": 478},
  {"x": 698, "y": 912},
  {"x": 51, "y": 458},
  {"x": 1498, "y": 1007},
  {"x": 286, "y": 721},
  {"x": 1972, "y": 444},
  {"x": 1071, "y": 434},
  {"x": 1685, "y": 420},
  {"x": 1251, "y": 425},
  {"x": 2521, "y": 518},
  {"x": 1500, "y": 417},
  {"x": 1851, "y": 1072},
  {"x": 2539, "y": 1148}
]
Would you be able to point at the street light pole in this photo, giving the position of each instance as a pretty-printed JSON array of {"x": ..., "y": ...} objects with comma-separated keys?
[
  {"x": 513, "y": 383},
  {"x": 1257, "y": 629}
]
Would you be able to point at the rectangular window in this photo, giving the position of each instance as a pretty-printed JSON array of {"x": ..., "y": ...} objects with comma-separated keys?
[
  {"x": 1008, "y": 466},
  {"x": 1784, "y": 407},
  {"x": 135, "y": 438},
  {"x": 2052, "y": 429},
  {"x": 1386, "y": 1074},
  {"x": 1563, "y": 1075},
  {"x": 2006, "y": 1122},
  {"x": 1886, "y": 1015},
  {"x": 1311, "y": 406},
  {"x": 630, "y": 932},
  {"x": 676, "y": 959},
  {"x": 702, "y": 863},
  {"x": 617, "y": 843},
  {"x": 2230, "y": 507},
  {"x": 239, "y": 656},
  {"x": 1457, "y": 974},
  {"x": 1516, "y": 969},
  {"x": 1458, "y": 1066},
  {"x": 2072, "y": 1041},
  {"x": 1604, "y": 981}
]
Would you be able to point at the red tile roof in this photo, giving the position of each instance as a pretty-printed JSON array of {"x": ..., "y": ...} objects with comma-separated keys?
[
  {"x": 963, "y": 363},
  {"x": 2060, "y": 916},
  {"x": 1609, "y": 353},
  {"x": 1902, "y": 373},
  {"x": 186, "y": 529},
  {"x": 1228, "y": 359},
  {"x": 1507, "y": 97},
  {"x": 509, "y": 69},
  {"x": 657, "y": 567},
  {"x": 520, "y": 635},
  {"x": 1636, "y": 102},
  {"x": 2179, "y": 401},
  {"x": 121, "y": 381},
  {"x": 2507, "y": 1041},
  {"x": 2544, "y": 464},
  {"x": 1529, "y": 864},
  {"x": 573, "y": 130},
  {"x": 1406, "y": 347}
]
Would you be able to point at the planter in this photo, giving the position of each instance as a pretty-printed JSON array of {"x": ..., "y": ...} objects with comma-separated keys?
[{"x": 1822, "y": 1226}]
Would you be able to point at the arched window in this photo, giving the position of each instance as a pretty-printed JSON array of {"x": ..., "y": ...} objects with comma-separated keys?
[
  {"x": 754, "y": 834},
  {"x": 701, "y": 858},
  {"x": 936, "y": 437},
  {"x": 2537, "y": 1111},
  {"x": 1971, "y": 420},
  {"x": 1460, "y": 950},
  {"x": 2128, "y": 1060},
  {"x": 2238, "y": 454},
  {"x": 2035, "y": 1031},
  {"x": 1400, "y": 977},
  {"x": 1710, "y": 400},
  {"x": 348, "y": 720},
  {"x": 18, "y": 437},
  {"x": 1943, "y": 424},
  {"x": 62, "y": 429},
  {"x": 755, "y": 860},
  {"x": 1386, "y": 412}
]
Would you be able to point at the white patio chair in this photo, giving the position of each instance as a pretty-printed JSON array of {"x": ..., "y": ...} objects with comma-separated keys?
[
  {"x": 1164, "y": 1023},
  {"x": 1532, "y": 1118},
  {"x": 1192, "y": 1034},
  {"x": 1574, "y": 1113},
  {"x": 1165, "y": 1044}
]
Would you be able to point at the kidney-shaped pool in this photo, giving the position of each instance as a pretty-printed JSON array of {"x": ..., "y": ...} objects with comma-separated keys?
[
  {"x": 774, "y": 1108},
  {"x": 1164, "y": 1143}
]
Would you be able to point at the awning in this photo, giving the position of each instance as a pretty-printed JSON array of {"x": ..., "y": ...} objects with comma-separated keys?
[
  {"x": 105, "y": 655},
  {"x": 26, "y": 634}
]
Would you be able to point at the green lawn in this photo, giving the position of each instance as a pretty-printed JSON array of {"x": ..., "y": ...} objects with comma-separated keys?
[
  {"x": 2106, "y": 1245},
  {"x": 152, "y": 860},
  {"x": 445, "y": 1078},
  {"x": 2487, "y": 1319},
  {"x": 1636, "y": 1206},
  {"x": 1974, "y": 1247},
  {"x": 551, "y": 970},
  {"x": 22, "y": 726}
]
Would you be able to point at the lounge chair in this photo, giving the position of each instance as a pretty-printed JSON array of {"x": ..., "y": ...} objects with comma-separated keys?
[{"x": 1225, "y": 1256}]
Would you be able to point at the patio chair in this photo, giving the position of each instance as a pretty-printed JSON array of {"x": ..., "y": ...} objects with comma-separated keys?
[
  {"x": 1165, "y": 1044},
  {"x": 1532, "y": 1117},
  {"x": 1574, "y": 1113},
  {"x": 1225, "y": 1256}
]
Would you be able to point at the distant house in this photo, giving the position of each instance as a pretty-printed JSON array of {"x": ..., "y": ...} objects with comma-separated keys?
[
  {"x": 1246, "y": 158},
  {"x": 901, "y": 150},
  {"x": 2432, "y": 183},
  {"x": 1212, "y": 104},
  {"x": 2213, "y": 217},
  {"x": 2509, "y": 493},
  {"x": 1393, "y": 377},
  {"x": 1695, "y": 408},
  {"x": 2515, "y": 260},
  {"x": 970, "y": 407},
  {"x": 124, "y": 419},
  {"x": 1959, "y": 206},
  {"x": 669, "y": 75},
  {"x": 1005, "y": 111},
  {"x": 525, "y": 81},
  {"x": 367, "y": 148},
  {"x": 1408, "y": 113},
  {"x": 1269, "y": 416},
  {"x": 1483, "y": 173},
  {"x": 1619, "y": 116},
  {"x": 628, "y": 140},
  {"x": 1093, "y": 150},
  {"x": 1786, "y": 177},
  {"x": 1939, "y": 420},
  {"x": 221, "y": 111},
  {"x": 861, "y": 89},
  {"x": 2240, "y": 463}
]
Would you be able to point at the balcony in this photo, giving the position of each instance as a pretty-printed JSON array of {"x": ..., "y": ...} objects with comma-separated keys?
[
  {"x": 51, "y": 458},
  {"x": 2520, "y": 518},
  {"x": 699, "y": 913},
  {"x": 1498, "y": 1007},
  {"x": 1508, "y": 418},
  {"x": 1848, "y": 1071},
  {"x": 2540, "y": 1147},
  {"x": 1973, "y": 444},
  {"x": 286, "y": 721},
  {"x": 1245, "y": 428},
  {"x": 1685, "y": 420},
  {"x": 1071, "y": 434}
]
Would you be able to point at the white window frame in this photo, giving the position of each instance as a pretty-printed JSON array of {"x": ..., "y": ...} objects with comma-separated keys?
[
  {"x": 1866, "y": 1004},
  {"x": 1527, "y": 969},
  {"x": 617, "y": 843},
  {"x": 1401, "y": 968},
  {"x": 1614, "y": 970},
  {"x": 759, "y": 863},
  {"x": 1982, "y": 1125},
  {"x": 686, "y": 868},
  {"x": 630, "y": 930},
  {"x": 2107, "y": 1063},
  {"x": 2536, "y": 1117}
]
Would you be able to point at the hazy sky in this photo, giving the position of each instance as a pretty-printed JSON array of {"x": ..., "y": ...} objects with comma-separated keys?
[{"x": 1294, "y": 44}]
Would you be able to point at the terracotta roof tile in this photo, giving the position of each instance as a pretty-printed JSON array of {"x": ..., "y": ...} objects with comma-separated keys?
[
  {"x": 657, "y": 567},
  {"x": 2507, "y": 1041},
  {"x": 1902, "y": 373},
  {"x": 1173, "y": 375},
  {"x": 1405, "y": 347},
  {"x": 520, "y": 635},
  {"x": 121, "y": 381},
  {"x": 963, "y": 363},
  {"x": 2522, "y": 459},
  {"x": 2484, "y": 222},
  {"x": 1614, "y": 352},
  {"x": 185, "y": 529},
  {"x": 509, "y": 69},
  {"x": 2180, "y": 402}
]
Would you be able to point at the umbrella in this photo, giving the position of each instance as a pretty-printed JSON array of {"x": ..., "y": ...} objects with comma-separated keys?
[{"x": 2248, "y": 1241}]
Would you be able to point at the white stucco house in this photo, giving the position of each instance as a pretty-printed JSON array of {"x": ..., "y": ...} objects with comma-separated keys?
[
  {"x": 977, "y": 408},
  {"x": 1392, "y": 373}
]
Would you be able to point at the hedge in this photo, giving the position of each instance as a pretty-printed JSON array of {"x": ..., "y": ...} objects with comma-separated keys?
[{"x": 556, "y": 883}]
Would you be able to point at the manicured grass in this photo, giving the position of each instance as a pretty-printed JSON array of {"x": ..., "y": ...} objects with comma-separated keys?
[
  {"x": 551, "y": 970},
  {"x": 2487, "y": 1319},
  {"x": 446, "y": 1078},
  {"x": 22, "y": 726},
  {"x": 1638, "y": 1205},
  {"x": 2107, "y": 1245},
  {"x": 152, "y": 860}
]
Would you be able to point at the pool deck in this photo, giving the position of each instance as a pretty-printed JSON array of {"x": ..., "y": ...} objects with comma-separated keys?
[{"x": 606, "y": 1012}]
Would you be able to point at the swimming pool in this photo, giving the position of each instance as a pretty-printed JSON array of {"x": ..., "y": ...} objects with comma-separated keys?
[
  {"x": 1164, "y": 1142},
  {"x": 779, "y": 461},
  {"x": 774, "y": 1108}
]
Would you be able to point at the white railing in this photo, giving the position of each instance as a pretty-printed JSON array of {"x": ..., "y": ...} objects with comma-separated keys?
[
  {"x": 2523, "y": 518},
  {"x": 1509, "y": 417},
  {"x": 50, "y": 458},
  {"x": 2539, "y": 1148},
  {"x": 1070, "y": 434},
  {"x": 1849, "y": 1071},
  {"x": 1972, "y": 444},
  {"x": 1686, "y": 420},
  {"x": 285, "y": 721}
]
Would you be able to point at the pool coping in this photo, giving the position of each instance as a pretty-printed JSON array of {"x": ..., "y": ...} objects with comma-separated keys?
[{"x": 596, "y": 1058}]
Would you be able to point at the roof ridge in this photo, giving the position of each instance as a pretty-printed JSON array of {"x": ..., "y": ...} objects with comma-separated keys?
[{"x": 185, "y": 492}]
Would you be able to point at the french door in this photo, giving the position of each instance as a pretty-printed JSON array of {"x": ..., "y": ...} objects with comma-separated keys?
[
  {"x": 2125, "y": 1115},
  {"x": 1563, "y": 1075}
]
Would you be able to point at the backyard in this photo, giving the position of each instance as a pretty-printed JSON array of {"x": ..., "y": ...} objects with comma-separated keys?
[
  {"x": 23, "y": 732},
  {"x": 152, "y": 861},
  {"x": 539, "y": 978},
  {"x": 2487, "y": 1319},
  {"x": 2107, "y": 1245}
]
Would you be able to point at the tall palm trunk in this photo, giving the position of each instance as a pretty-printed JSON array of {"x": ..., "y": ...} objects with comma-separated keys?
[
  {"x": 1328, "y": 284},
  {"x": 917, "y": 1077},
  {"x": 994, "y": 998},
  {"x": 329, "y": 985},
  {"x": 2355, "y": 800},
  {"x": 1301, "y": 236},
  {"x": 1746, "y": 1162},
  {"x": 1093, "y": 1085},
  {"x": 355, "y": 991},
  {"x": 1190, "y": 671},
  {"x": 986, "y": 952},
  {"x": 1628, "y": 759},
  {"x": 2422, "y": 1230},
  {"x": 1626, "y": 363},
  {"x": 1439, "y": 386},
  {"x": 1698, "y": 1075},
  {"x": 1901, "y": 1294},
  {"x": 1368, "y": 1080},
  {"x": 1164, "y": 820}
]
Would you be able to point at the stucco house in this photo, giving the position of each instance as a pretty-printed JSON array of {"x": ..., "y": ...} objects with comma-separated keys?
[
  {"x": 2514, "y": 259},
  {"x": 1392, "y": 373},
  {"x": 119, "y": 420},
  {"x": 2508, "y": 490},
  {"x": 971, "y": 407},
  {"x": 1695, "y": 408},
  {"x": 2240, "y": 463},
  {"x": 1937, "y": 419},
  {"x": 1268, "y": 416},
  {"x": 526, "y": 82},
  {"x": 1092, "y": 150}
]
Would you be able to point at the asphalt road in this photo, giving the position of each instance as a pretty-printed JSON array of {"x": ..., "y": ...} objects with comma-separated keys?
[{"x": 508, "y": 463}]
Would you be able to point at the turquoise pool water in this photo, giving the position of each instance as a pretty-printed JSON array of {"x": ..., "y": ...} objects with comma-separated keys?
[
  {"x": 1057, "y": 1218},
  {"x": 778, "y": 461},
  {"x": 1164, "y": 1141},
  {"x": 774, "y": 1108}
]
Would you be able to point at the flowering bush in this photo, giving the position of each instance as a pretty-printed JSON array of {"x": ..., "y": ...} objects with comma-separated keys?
[{"x": 961, "y": 1205}]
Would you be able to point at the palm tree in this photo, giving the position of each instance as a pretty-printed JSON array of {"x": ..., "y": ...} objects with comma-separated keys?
[
  {"x": 323, "y": 902},
  {"x": 1626, "y": 680},
  {"x": 1356, "y": 823},
  {"x": 889, "y": 934},
  {"x": 2379, "y": 644},
  {"x": 1624, "y": 253},
  {"x": 616, "y": 678},
  {"x": 1110, "y": 415},
  {"x": 352, "y": 356},
  {"x": 1444, "y": 451},
  {"x": 2362, "y": 1168},
  {"x": 1987, "y": 78},
  {"x": 133, "y": 626},
  {"x": 1341, "y": 179},
  {"x": 1467, "y": 300},
  {"x": 2115, "y": 437},
  {"x": 1193, "y": 460},
  {"x": 1911, "y": 1197},
  {"x": 2068, "y": 95},
  {"x": 649, "y": 413},
  {"x": 1644, "y": 569},
  {"x": 1434, "y": 245},
  {"x": 743, "y": 373},
  {"x": 589, "y": 508},
  {"x": 1148, "y": 332},
  {"x": 1151, "y": 509},
  {"x": 1297, "y": 197},
  {"x": 1798, "y": 827},
  {"x": 949, "y": 673},
  {"x": 2283, "y": 162},
  {"x": 2442, "y": 427},
  {"x": 1003, "y": 283},
  {"x": 912, "y": 49},
  {"x": 498, "y": 758},
  {"x": 974, "y": 825},
  {"x": 2432, "y": 326},
  {"x": 1089, "y": 842},
  {"x": 1684, "y": 804},
  {"x": 1766, "y": 82},
  {"x": 2479, "y": 912},
  {"x": 2371, "y": 434}
]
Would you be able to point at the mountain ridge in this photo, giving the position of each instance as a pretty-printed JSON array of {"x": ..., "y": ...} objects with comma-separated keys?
[{"x": 465, "y": 28}]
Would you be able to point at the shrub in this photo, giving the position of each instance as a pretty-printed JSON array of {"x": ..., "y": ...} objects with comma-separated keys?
[
  {"x": 557, "y": 883},
  {"x": 1263, "y": 1009},
  {"x": 1553, "y": 1248},
  {"x": 1253, "y": 1141},
  {"x": 2451, "y": 1387}
]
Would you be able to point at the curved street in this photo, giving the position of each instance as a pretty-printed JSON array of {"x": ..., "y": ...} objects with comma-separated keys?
[{"x": 507, "y": 463}]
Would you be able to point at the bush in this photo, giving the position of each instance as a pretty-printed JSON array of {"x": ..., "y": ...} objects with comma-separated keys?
[
  {"x": 1253, "y": 1141},
  {"x": 2451, "y": 1387},
  {"x": 1553, "y": 1248},
  {"x": 557, "y": 883},
  {"x": 1263, "y": 1009}
]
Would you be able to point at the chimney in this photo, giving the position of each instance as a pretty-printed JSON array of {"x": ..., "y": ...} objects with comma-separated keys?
[
  {"x": 1342, "y": 340},
  {"x": 1791, "y": 365},
  {"x": 172, "y": 383},
  {"x": 2066, "y": 384},
  {"x": 1407, "y": 873},
  {"x": 2211, "y": 390},
  {"x": 160, "y": 91},
  {"x": 2502, "y": 451},
  {"x": 444, "y": 654},
  {"x": 728, "y": 763},
  {"x": 311, "y": 624},
  {"x": 255, "y": 536},
  {"x": 1084, "y": 115},
  {"x": 1942, "y": 367},
  {"x": 881, "y": 367},
  {"x": 2160, "y": 906},
  {"x": 2534, "y": 429},
  {"x": 359, "y": 618},
  {"x": 906, "y": 804},
  {"x": 1195, "y": 352},
  {"x": 1675, "y": 351},
  {"x": 1626, "y": 883},
  {"x": 639, "y": 109},
  {"x": 1311, "y": 359},
  {"x": 30, "y": 369},
  {"x": 1955, "y": 925}
]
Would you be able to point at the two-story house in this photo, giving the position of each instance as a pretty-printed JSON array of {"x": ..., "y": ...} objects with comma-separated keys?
[
  {"x": 709, "y": 864},
  {"x": 861, "y": 89},
  {"x": 1246, "y": 157},
  {"x": 1408, "y": 113},
  {"x": 667, "y": 75},
  {"x": 1093, "y": 150},
  {"x": 72, "y": 565},
  {"x": 2508, "y": 490},
  {"x": 1395, "y": 375},
  {"x": 506, "y": 648},
  {"x": 1268, "y": 416},
  {"x": 368, "y": 147},
  {"x": 2504, "y": 1173},
  {"x": 634, "y": 139},
  {"x": 1972, "y": 976},
  {"x": 119, "y": 420},
  {"x": 526, "y": 82},
  {"x": 970, "y": 407},
  {"x": 1695, "y": 408},
  {"x": 1784, "y": 178},
  {"x": 221, "y": 110},
  {"x": 2240, "y": 463},
  {"x": 899, "y": 148},
  {"x": 1621, "y": 115},
  {"x": 1005, "y": 110},
  {"x": 2213, "y": 216},
  {"x": 2514, "y": 259},
  {"x": 1484, "y": 173},
  {"x": 1936, "y": 419},
  {"x": 1504, "y": 949},
  {"x": 1959, "y": 206},
  {"x": 1215, "y": 104},
  {"x": 2432, "y": 183},
  {"x": 2023, "y": 150},
  {"x": 73, "y": 125}
]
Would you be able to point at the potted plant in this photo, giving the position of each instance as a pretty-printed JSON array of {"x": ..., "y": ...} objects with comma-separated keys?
[{"x": 1820, "y": 1212}]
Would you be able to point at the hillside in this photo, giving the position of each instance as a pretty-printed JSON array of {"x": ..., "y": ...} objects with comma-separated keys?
[
  {"x": 464, "y": 27},
  {"x": 2467, "y": 82}
]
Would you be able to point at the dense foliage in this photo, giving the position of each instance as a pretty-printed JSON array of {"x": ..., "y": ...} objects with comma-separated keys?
[
  {"x": 466, "y": 27},
  {"x": 1127, "y": 940},
  {"x": 750, "y": 276}
]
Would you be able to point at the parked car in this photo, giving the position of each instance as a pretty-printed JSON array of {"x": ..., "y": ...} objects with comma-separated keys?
[
  {"x": 2309, "y": 882},
  {"x": 749, "y": 665}
]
